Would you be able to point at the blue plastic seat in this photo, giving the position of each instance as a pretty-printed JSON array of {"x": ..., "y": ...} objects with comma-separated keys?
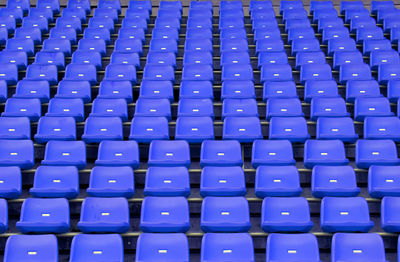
[
  {"x": 19, "y": 4},
  {"x": 118, "y": 153},
  {"x": 315, "y": 89},
  {"x": 221, "y": 153},
  {"x": 97, "y": 45},
  {"x": 81, "y": 72},
  {"x": 231, "y": 22},
  {"x": 63, "y": 107},
  {"x": 196, "y": 72},
  {"x": 57, "y": 45},
  {"x": 79, "y": 4},
  {"x": 195, "y": 33},
  {"x": 222, "y": 181},
  {"x": 227, "y": 247},
  {"x": 70, "y": 23},
  {"x": 376, "y": 152},
  {"x": 50, "y": 58},
  {"x": 243, "y": 129},
  {"x": 234, "y": 45},
  {"x": 239, "y": 107},
  {"x": 350, "y": 214},
  {"x": 99, "y": 214},
  {"x": 99, "y": 128},
  {"x": 195, "y": 108},
  {"x": 65, "y": 153},
  {"x": 228, "y": 58},
  {"x": 285, "y": 214},
  {"x": 284, "y": 89},
  {"x": 33, "y": 89},
  {"x": 124, "y": 58},
  {"x": 324, "y": 13},
  {"x": 159, "y": 73},
  {"x": 121, "y": 72},
  {"x": 15, "y": 128},
  {"x": 19, "y": 247},
  {"x": 54, "y": 5},
  {"x": 8, "y": 23},
  {"x": 265, "y": 58},
  {"x": 111, "y": 181},
  {"x": 351, "y": 14},
  {"x": 362, "y": 22},
  {"x": 53, "y": 181},
  {"x": 305, "y": 58},
  {"x": 388, "y": 72},
  {"x": 3, "y": 91},
  {"x": 106, "y": 13},
  {"x": 362, "y": 88},
  {"x": 87, "y": 57},
  {"x": 382, "y": 128},
  {"x": 276, "y": 72},
  {"x": 381, "y": 57},
  {"x": 86, "y": 247},
  {"x": 133, "y": 22},
  {"x": 47, "y": 73},
  {"x": 44, "y": 216},
  {"x": 162, "y": 246},
  {"x": 146, "y": 5},
  {"x": 17, "y": 107},
  {"x": 376, "y": 44},
  {"x": 393, "y": 90},
  {"x": 266, "y": 24},
  {"x": 194, "y": 129},
  {"x": 389, "y": 214},
  {"x": 383, "y": 181},
  {"x": 15, "y": 57},
  {"x": 225, "y": 214},
  {"x": 292, "y": 247},
  {"x": 269, "y": 45},
  {"x": 324, "y": 152},
  {"x": 146, "y": 129},
  {"x": 234, "y": 72},
  {"x": 64, "y": 33},
  {"x": 386, "y": 13},
  {"x": 156, "y": 89},
  {"x": 161, "y": 58},
  {"x": 341, "y": 44},
  {"x": 203, "y": 45},
  {"x": 55, "y": 128},
  {"x": 363, "y": 35},
  {"x": 305, "y": 45},
  {"x": 293, "y": 129},
  {"x": 74, "y": 12},
  {"x": 277, "y": 181},
  {"x": 110, "y": 4},
  {"x": 366, "y": 106},
  {"x": 313, "y": 71},
  {"x": 21, "y": 44},
  {"x": 341, "y": 128},
  {"x": 169, "y": 153},
  {"x": 164, "y": 215},
  {"x": 329, "y": 22},
  {"x": 153, "y": 107},
  {"x": 306, "y": 33},
  {"x": 132, "y": 33},
  {"x": 263, "y": 33},
  {"x": 376, "y": 6},
  {"x": 203, "y": 5},
  {"x": 29, "y": 33},
  {"x": 289, "y": 5},
  {"x": 199, "y": 58},
  {"x": 328, "y": 107},
  {"x": 11, "y": 187},
  {"x": 167, "y": 181},
  {"x": 197, "y": 21},
  {"x": 295, "y": 13},
  {"x": 329, "y": 33},
  {"x": 101, "y": 22},
  {"x": 339, "y": 181},
  {"x": 36, "y": 22},
  {"x": 97, "y": 33},
  {"x": 238, "y": 89},
  {"x": 272, "y": 152}
]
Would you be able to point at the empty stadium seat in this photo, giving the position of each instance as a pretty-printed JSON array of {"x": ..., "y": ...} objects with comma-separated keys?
[
  {"x": 98, "y": 129},
  {"x": 111, "y": 182},
  {"x": 324, "y": 152},
  {"x": 15, "y": 128},
  {"x": 162, "y": 246},
  {"x": 156, "y": 89},
  {"x": 304, "y": 58},
  {"x": 389, "y": 211},
  {"x": 376, "y": 152},
  {"x": 334, "y": 181},
  {"x": 356, "y": 246},
  {"x": 64, "y": 107},
  {"x": 19, "y": 58},
  {"x": 53, "y": 181},
  {"x": 121, "y": 72},
  {"x": 161, "y": 58},
  {"x": 146, "y": 129},
  {"x": 277, "y": 181},
  {"x": 55, "y": 128},
  {"x": 65, "y": 153},
  {"x": 381, "y": 57},
  {"x": 54, "y": 5},
  {"x": 9, "y": 73},
  {"x": 199, "y": 58},
  {"x": 227, "y": 246},
  {"x": 64, "y": 33},
  {"x": 97, "y": 247},
  {"x": 115, "y": 90},
  {"x": 169, "y": 153},
  {"x": 17, "y": 153},
  {"x": 44, "y": 216},
  {"x": 33, "y": 89},
  {"x": 31, "y": 247},
  {"x": 167, "y": 181},
  {"x": 164, "y": 214},
  {"x": 285, "y": 214},
  {"x": 153, "y": 107},
  {"x": 382, "y": 128},
  {"x": 104, "y": 215},
  {"x": 29, "y": 33},
  {"x": 341, "y": 128},
  {"x": 110, "y": 108},
  {"x": 265, "y": 58},
  {"x": 365, "y": 88},
  {"x": 118, "y": 153},
  {"x": 328, "y": 107},
  {"x": 285, "y": 89},
  {"x": 81, "y": 72},
  {"x": 42, "y": 72},
  {"x": 237, "y": 128},
  {"x": 276, "y": 72},
  {"x": 237, "y": 89},
  {"x": 159, "y": 72},
  {"x": 383, "y": 181},
  {"x": 346, "y": 57},
  {"x": 222, "y": 181},
  {"x": 12, "y": 182},
  {"x": 293, "y": 129},
  {"x": 225, "y": 214},
  {"x": 194, "y": 129},
  {"x": 87, "y": 57},
  {"x": 57, "y": 45},
  {"x": 272, "y": 152},
  {"x": 221, "y": 153},
  {"x": 284, "y": 107},
  {"x": 292, "y": 247}
]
